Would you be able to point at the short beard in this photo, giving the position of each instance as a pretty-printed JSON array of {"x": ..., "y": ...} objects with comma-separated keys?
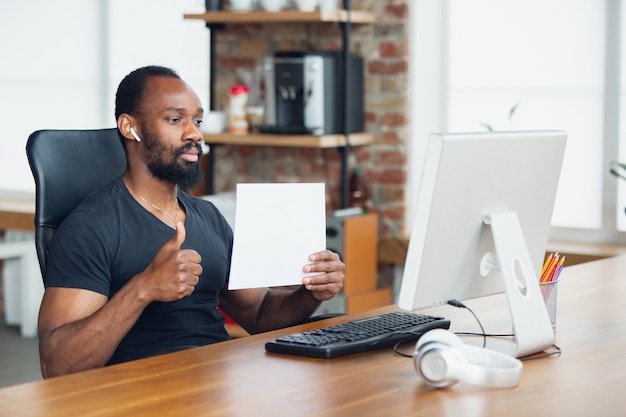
[{"x": 186, "y": 175}]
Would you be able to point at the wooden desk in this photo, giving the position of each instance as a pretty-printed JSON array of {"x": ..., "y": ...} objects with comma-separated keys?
[
  {"x": 237, "y": 378},
  {"x": 17, "y": 210}
]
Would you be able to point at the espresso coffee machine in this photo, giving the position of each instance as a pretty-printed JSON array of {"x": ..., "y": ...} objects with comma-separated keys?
[{"x": 305, "y": 93}]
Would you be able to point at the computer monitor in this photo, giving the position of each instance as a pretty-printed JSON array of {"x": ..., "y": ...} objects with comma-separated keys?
[{"x": 481, "y": 226}]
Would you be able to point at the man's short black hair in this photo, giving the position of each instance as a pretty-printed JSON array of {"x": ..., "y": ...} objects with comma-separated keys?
[{"x": 131, "y": 88}]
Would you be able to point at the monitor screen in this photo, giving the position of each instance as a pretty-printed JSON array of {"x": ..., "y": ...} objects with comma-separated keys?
[{"x": 466, "y": 177}]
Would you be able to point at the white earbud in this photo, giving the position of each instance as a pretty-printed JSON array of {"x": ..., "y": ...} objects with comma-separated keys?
[{"x": 135, "y": 135}]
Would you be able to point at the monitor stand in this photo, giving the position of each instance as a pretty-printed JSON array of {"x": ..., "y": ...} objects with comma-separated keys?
[{"x": 531, "y": 324}]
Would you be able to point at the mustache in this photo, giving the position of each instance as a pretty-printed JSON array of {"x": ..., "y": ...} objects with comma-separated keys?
[{"x": 187, "y": 147}]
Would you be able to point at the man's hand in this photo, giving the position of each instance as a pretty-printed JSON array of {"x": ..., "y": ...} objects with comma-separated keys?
[
  {"x": 326, "y": 285},
  {"x": 173, "y": 273}
]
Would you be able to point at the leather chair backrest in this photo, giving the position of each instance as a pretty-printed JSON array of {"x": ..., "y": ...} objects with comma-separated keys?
[{"x": 67, "y": 165}]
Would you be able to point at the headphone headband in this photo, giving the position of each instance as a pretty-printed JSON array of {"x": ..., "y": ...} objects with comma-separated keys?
[{"x": 491, "y": 368}]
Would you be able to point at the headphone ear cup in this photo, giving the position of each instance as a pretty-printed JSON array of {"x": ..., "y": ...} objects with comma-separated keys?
[
  {"x": 439, "y": 358},
  {"x": 442, "y": 360}
]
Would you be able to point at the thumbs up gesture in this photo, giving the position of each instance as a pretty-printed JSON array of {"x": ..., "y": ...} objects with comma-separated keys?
[{"x": 173, "y": 273}]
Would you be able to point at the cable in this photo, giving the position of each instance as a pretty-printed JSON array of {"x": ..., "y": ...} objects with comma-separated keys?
[
  {"x": 484, "y": 334},
  {"x": 457, "y": 303},
  {"x": 397, "y": 351},
  {"x": 534, "y": 356},
  {"x": 557, "y": 350}
]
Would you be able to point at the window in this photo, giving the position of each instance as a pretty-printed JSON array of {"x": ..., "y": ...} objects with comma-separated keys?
[
  {"x": 621, "y": 113},
  {"x": 549, "y": 61}
]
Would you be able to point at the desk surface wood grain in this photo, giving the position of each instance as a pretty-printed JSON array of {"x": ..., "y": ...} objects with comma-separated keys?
[{"x": 238, "y": 378}]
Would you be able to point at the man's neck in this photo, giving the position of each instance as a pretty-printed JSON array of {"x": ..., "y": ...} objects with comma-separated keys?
[{"x": 152, "y": 189}]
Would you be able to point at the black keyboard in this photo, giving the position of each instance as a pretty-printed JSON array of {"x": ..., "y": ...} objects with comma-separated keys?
[{"x": 358, "y": 336}]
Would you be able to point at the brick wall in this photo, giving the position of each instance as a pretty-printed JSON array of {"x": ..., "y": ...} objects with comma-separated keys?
[{"x": 384, "y": 46}]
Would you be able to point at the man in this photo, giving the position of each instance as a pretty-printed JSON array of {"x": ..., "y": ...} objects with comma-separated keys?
[{"x": 140, "y": 267}]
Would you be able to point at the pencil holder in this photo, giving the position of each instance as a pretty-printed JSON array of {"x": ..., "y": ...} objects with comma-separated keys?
[{"x": 548, "y": 291}]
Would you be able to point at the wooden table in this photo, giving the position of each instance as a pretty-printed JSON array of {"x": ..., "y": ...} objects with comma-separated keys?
[
  {"x": 238, "y": 378},
  {"x": 17, "y": 210}
]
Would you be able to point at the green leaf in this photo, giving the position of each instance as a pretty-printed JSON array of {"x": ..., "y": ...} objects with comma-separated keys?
[{"x": 487, "y": 126}]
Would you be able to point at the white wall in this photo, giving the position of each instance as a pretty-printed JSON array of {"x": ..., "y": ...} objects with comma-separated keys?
[
  {"x": 429, "y": 86},
  {"x": 62, "y": 61}
]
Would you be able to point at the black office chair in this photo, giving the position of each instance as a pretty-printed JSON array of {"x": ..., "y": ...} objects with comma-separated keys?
[{"x": 67, "y": 166}]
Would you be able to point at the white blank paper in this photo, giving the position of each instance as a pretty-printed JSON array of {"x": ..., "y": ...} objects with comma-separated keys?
[{"x": 277, "y": 226}]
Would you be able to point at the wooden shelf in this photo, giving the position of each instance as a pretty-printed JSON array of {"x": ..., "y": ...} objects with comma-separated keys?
[
  {"x": 345, "y": 18},
  {"x": 298, "y": 141},
  {"x": 289, "y": 16}
]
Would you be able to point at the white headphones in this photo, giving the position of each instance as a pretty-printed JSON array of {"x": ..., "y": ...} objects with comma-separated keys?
[{"x": 443, "y": 360}]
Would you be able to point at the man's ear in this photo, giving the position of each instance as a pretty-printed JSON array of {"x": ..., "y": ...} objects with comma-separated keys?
[{"x": 124, "y": 124}]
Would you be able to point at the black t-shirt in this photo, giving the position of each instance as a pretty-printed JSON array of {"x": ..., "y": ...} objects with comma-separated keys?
[{"x": 110, "y": 238}]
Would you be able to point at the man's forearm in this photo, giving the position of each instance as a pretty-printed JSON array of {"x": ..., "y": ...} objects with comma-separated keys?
[
  {"x": 89, "y": 343},
  {"x": 282, "y": 308}
]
